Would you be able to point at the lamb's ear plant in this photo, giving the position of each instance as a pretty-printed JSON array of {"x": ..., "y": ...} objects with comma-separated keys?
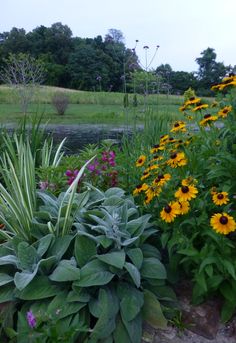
[{"x": 102, "y": 255}]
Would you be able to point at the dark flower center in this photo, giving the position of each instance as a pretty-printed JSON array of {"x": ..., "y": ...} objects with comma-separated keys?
[
  {"x": 184, "y": 189},
  {"x": 225, "y": 110},
  {"x": 139, "y": 186},
  {"x": 176, "y": 124},
  {"x": 192, "y": 98},
  {"x": 171, "y": 139},
  {"x": 220, "y": 196},
  {"x": 140, "y": 160},
  {"x": 167, "y": 208},
  {"x": 160, "y": 176},
  {"x": 223, "y": 220},
  {"x": 207, "y": 116},
  {"x": 173, "y": 156}
]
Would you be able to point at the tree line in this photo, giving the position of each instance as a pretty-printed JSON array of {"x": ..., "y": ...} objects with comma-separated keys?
[{"x": 104, "y": 63}]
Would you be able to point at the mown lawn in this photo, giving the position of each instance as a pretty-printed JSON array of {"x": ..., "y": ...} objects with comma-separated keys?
[{"x": 89, "y": 107}]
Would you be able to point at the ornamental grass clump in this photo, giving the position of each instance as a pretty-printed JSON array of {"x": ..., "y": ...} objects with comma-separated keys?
[{"x": 187, "y": 181}]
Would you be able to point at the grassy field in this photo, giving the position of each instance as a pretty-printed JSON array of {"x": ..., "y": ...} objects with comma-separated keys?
[{"x": 89, "y": 107}]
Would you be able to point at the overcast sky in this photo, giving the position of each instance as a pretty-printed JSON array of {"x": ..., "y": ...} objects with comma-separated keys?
[{"x": 182, "y": 28}]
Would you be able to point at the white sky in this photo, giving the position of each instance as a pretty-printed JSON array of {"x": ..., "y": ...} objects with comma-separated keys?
[{"x": 182, "y": 28}]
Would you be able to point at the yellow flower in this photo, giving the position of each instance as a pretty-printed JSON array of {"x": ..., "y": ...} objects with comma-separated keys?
[
  {"x": 186, "y": 193},
  {"x": 161, "y": 179},
  {"x": 223, "y": 223},
  {"x": 208, "y": 119},
  {"x": 184, "y": 207},
  {"x": 170, "y": 211},
  {"x": 140, "y": 161},
  {"x": 224, "y": 111},
  {"x": 140, "y": 188},
  {"x": 177, "y": 159},
  {"x": 220, "y": 198},
  {"x": 188, "y": 181},
  {"x": 179, "y": 126},
  {"x": 199, "y": 107},
  {"x": 146, "y": 174},
  {"x": 156, "y": 148},
  {"x": 150, "y": 194},
  {"x": 164, "y": 139},
  {"x": 192, "y": 101}
]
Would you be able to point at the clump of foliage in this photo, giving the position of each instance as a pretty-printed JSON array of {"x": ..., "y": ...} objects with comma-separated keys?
[
  {"x": 60, "y": 102},
  {"x": 188, "y": 183},
  {"x": 101, "y": 172},
  {"x": 65, "y": 259}
]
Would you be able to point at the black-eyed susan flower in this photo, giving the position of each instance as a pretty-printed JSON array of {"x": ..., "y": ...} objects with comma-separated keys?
[
  {"x": 150, "y": 193},
  {"x": 145, "y": 175},
  {"x": 140, "y": 188},
  {"x": 188, "y": 181},
  {"x": 224, "y": 111},
  {"x": 223, "y": 223},
  {"x": 179, "y": 126},
  {"x": 220, "y": 198},
  {"x": 164, "y": 139},
  {"x": 208, "y": 119},
  {"x": 156, "y": 148},
  {"x": 191, "y": 101},
  {"x": 140, "y": 161},
  {"x": 200, "y": 107},
  {"x": 177, "y": 159},
  {"x": 170, "y": 211},
  {"x": 161, "y": 179},
  {"x": 184, "y": 207},
  {"x": 186, "y": 193}
]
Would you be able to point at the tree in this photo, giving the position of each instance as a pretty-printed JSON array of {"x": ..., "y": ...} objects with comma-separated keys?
[
  {"x": 210, "y": 72},
  {"x": 24, "y": 73}
]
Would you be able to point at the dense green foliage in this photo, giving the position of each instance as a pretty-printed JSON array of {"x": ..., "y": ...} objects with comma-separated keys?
[{"x": 104, "y": 63}]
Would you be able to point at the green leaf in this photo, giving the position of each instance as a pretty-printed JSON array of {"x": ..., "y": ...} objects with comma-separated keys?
[
  {"x": 152, "y": 312},
  {"x": 59, "y": 246},
  {"x": 115, "y": 258},
  {"x": 24, "y": 278},
  {"x": 65, "y": 272},
  {"x": 85, "y": 249},
  {"x": 228, "y": 310},
  {"x": 201, "y": 281},
  {"x": 134, "y": 328},
  {"x": 152, "y": 268},
  {"x": 9, "y": 259},
  {"x": 208, "y": 261},
  {"x": 136, "y": 256},
  {"x": 39, "y": 288},
  {"x": 230, "y": 268},
  {"x": 94, "y": 273},
  {"x": 61, "y": 309},
  {"x": 114, "y": 191},
  {"x": 134, "y": 273},
  {"x": 7, "y": 293},
  {"x": 150, "y": 251},
  {"x": 95, "y": 279},
  {"x": 137, "y": 226},
  {"x": 120, "y": 334},
  {"x": 27, "y": 256},
  {"x": 44, "y": 244},
  {"x": 5, "y": 278},
  {"x": 78, "y": 294},
  {"x": 106, "y": 322},
  {"x": 131, "y": 304}
]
